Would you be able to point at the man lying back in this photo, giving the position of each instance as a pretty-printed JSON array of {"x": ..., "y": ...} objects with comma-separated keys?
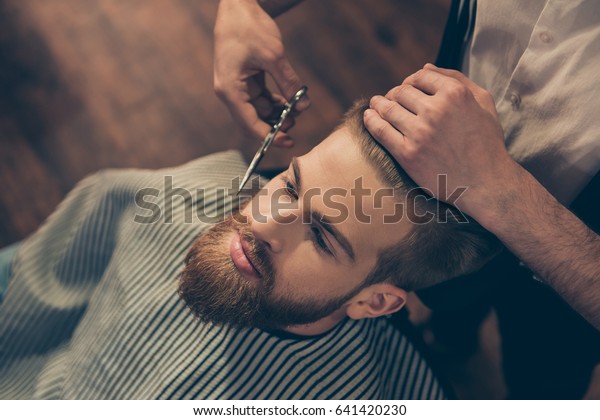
[{"x": 284, "y": 299}]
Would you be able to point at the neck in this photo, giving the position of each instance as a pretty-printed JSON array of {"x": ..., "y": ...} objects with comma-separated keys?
[{"x": 319, "y": 327}]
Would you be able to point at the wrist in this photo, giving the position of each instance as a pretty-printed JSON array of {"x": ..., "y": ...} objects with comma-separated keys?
[{"x": 491, "y": 202}]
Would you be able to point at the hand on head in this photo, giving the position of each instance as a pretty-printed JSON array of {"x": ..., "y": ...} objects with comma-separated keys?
[{"x": 440, "y": 122}]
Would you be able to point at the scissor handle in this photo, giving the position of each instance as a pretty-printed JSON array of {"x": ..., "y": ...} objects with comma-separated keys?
[
  {"x": 289, "y": 107},
  {"x": 298, "y": 95},
  {"x": 284, "y": 113}
]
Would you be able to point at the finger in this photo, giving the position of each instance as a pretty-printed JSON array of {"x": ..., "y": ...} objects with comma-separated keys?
[
  {"x": 409, "y": 97},
  {"x": 288, "y": 123},
  {"x": 279, "y": 104},
  {"x": 394, "y": 113},
  {"x": 264, "y": 107},
  {"x": 270, "y": 112},
  {"x": 390, "y": 138},
  {"x": 256, "y": 86},
  {"x": 256, "y": 128},
  {"x": 283, "y": 140},
  {"x": 288, "y": 82},
  {"x": 427, "y": 81},
  {"x": 454, "y": 74},
  {"x": 245, "y": 115},
  {"x": 482, "y": 96},
  {"x": 280, "y": 100}
]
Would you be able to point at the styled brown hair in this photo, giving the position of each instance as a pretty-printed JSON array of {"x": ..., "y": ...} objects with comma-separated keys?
[{"x": 449, "y": 245}]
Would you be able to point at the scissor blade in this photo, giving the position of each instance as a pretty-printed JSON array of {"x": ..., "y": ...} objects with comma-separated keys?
[
  {"x": 255, "y": 161},
  {"x": 271, "y": 136}
]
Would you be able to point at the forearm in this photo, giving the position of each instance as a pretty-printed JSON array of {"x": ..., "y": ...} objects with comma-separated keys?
[
  {"x": 276, "y": 7},
  {"x": 550, "y": 239}
]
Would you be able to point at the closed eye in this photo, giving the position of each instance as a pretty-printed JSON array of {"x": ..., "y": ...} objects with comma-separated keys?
[
  {"x": 319, "y": 240},
  {"x": 290, "y": 188},
  {"x": 317, "y": 235}
]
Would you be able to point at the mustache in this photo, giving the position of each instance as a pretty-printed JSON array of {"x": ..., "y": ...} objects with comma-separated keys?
[{"x": 257, "y": 251}]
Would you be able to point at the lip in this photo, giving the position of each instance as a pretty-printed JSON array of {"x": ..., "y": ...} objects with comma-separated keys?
[{"x": 239, "y": 254}]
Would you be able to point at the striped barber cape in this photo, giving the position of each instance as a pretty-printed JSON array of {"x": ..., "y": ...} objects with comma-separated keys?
[{"x": 91, "y": 311}]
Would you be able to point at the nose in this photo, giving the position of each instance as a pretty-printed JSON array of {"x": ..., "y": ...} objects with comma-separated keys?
[
  {"x": 269, "y": 233},
  {"x": 277, "y": 229},
  {"x": 273, "y": 223}
]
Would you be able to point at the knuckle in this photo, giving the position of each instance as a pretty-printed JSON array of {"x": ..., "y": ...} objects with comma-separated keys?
[
  {"x": 397, "y": 91},
  {"x": 434, "y": 111},
  {"x": 275, "y": 53},
  {"x": 411, "y": 79},
  {"x": 222, "y": 89},
  {"x": 448, "y": 102},
  {"x": 392, "y": 93},
  {"x": 410, "y": 152},
  {"x": 430, "y": 109},
  {"x": 386, "y": 108},
  {"x": 456, "y": 91},
  {"x": 380, "y": 132},
  {"x": 417, "y": 75},
  {"x": 454, "y": 74},
  {"x": 219, "y": 88},
  {"x": 377, "y": 130}
]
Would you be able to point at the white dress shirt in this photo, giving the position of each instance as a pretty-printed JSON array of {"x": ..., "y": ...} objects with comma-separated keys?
[{"x": 540, "y": 59}]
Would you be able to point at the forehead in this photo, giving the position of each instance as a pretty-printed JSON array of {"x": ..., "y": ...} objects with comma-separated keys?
[{"x": 349, "y": 192}]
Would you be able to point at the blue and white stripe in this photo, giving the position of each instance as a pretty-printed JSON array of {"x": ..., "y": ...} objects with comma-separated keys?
[{"x": 91, "y": 312}]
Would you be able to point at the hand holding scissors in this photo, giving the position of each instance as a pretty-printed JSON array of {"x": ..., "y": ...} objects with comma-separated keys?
[{"x": 287, "y": 109}]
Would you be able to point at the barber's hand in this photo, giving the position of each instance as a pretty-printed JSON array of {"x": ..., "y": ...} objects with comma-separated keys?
[
  {"x": 248, "y": 44},
  {"x": 440, "y": 122}
]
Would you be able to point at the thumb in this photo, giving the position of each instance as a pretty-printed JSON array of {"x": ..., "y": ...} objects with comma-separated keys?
[{"x": 288, "y": 82}]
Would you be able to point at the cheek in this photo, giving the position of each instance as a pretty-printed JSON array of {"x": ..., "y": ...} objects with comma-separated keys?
[
  {"x": 295, "y": 268},
  {"x": 307, "y": 274}
]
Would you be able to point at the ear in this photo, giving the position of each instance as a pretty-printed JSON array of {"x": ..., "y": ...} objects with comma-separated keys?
[{"x": 376, "y": 300}]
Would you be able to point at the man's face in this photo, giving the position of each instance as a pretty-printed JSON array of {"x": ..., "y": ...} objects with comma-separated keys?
[{"x": 300, "y": 249}]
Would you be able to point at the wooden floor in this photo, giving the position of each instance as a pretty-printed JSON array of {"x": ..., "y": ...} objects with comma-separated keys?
[{"x": 90, "y": 84}]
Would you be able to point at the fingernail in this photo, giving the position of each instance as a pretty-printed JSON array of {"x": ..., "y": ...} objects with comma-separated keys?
[
  {"x": 285, "y": 141},
  {"x": 368, "y": 112},
  {"x": 430, "y": 66},
  {"x": 375, "y": 99}
]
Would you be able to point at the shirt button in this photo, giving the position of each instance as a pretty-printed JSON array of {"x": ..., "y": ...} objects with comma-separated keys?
[
  {"x": 546, "y": 37},
  {"x": 515, "y": 100}
]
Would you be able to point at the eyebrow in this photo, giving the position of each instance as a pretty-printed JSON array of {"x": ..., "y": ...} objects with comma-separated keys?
[{"x": 323, "y": 220}]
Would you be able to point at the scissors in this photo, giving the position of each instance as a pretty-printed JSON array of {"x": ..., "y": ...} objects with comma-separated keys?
[{"x": 289, "y": 106}]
